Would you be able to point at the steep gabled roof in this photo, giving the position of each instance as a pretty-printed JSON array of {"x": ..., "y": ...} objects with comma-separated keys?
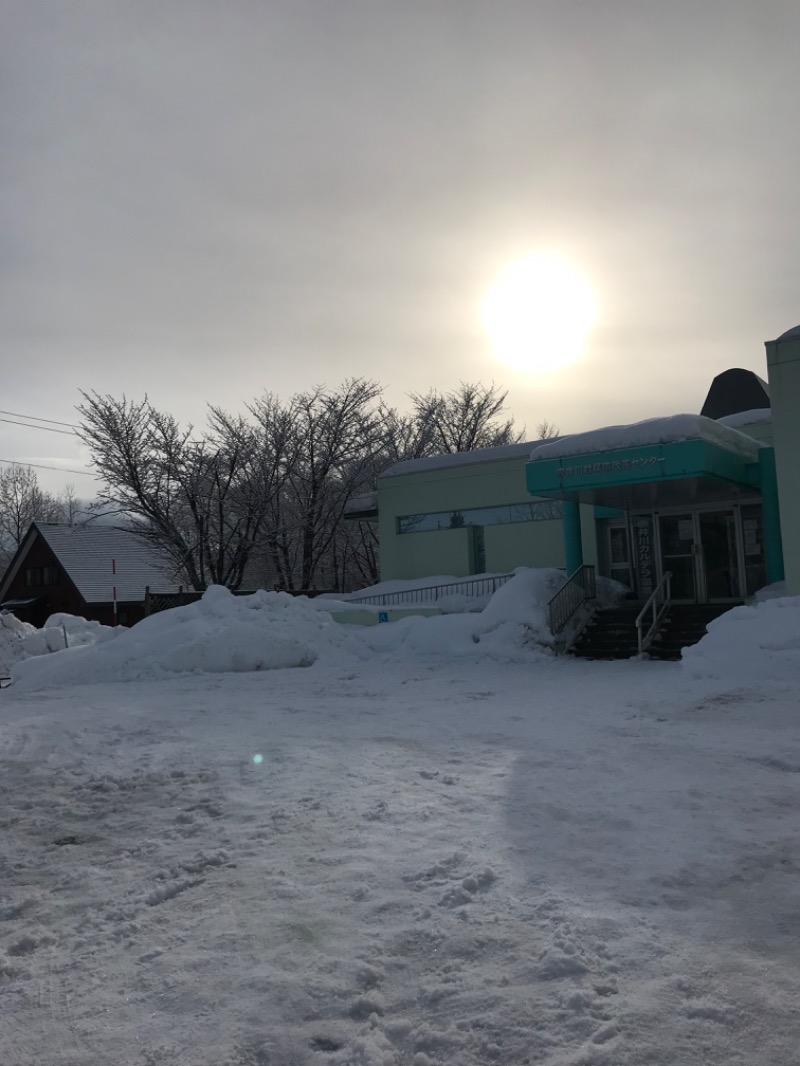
[{"x": 91, "y": 554}]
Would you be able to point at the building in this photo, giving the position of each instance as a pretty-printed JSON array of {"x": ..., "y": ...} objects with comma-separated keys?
[
  {"x": 712, "y": 498},
  {"x": 96, "y": 572}
]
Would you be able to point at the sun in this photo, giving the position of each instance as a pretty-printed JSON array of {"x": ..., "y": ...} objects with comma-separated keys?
[{"x": 538, "y": 313}]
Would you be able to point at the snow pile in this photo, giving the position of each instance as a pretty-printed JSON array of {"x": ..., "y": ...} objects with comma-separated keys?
[
  {"x": 221, "y": 633},
  {"x": 769, "y": 592},
  {"x": 20, "y": 640},
  {"x": 512, "y": 627},
  {"x": 65, "y": 631},
  {"x": 750, "y": 645},
  {"x": 12, "y": 634}
]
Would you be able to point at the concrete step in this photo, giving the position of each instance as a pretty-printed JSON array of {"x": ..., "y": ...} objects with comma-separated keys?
[{"x": 611, "y": 634}]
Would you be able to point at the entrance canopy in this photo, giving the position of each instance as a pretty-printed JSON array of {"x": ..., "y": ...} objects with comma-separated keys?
[{"x": 683, "y": 460}]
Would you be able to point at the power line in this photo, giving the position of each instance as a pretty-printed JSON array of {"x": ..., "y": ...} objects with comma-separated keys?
[
  {"x": 47, "y": 429},
  {"x": 42, "y": 466},
  {"x": 36, "y": 418}
]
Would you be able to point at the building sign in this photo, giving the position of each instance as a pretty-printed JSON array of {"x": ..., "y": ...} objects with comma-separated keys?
[
  {"x": 643, "y": 548},
  {"x": 610, "y": 466}
]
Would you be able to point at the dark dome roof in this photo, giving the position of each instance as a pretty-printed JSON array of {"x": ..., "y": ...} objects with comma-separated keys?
[
  {"x": 790, "y": 334},
  {"x": 735, "y": 390}
]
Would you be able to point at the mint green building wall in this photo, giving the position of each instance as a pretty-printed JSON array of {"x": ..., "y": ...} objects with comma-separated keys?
[
  {"x": 783, "y": 363},
  {"x": 443, "y": 551},
  {"x": 460, "y": 487},
  {"x": 524, "y": 544}
]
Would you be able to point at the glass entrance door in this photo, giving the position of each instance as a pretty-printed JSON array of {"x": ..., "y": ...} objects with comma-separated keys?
[
  {"x": 718, "y": 554},
  {"x": 678, "y": 554},
  {"x": 618, "y": 554}
]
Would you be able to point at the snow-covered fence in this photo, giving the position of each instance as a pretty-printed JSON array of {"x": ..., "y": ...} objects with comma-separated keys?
[
  {"x": 479, "y": 586},
  {"x": 163, "y": 601}
]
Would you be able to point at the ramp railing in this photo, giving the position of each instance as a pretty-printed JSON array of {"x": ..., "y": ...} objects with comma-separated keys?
[{"x": 579, "y": 587}]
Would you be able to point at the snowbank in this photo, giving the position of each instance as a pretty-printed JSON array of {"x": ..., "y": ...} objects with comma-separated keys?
[
  {"x": 19, "y": 640},
  {"x": 750, "y": 645},
  {"x": 66, "y": 631},
  {"x": 512, "y": 627},
  {"x": 12, "y": 634},
  {"x": 220, "y": 633}
]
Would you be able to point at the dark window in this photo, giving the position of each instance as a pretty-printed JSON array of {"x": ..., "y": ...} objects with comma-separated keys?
[
  {"x": 535, "y": 511},
  {"x": 37, "y": 576}
]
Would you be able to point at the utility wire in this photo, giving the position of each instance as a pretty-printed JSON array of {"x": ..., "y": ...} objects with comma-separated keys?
[
  {"x": 42, "y": 466},
  {"x": 36, "y": 418},
  {"x": 47, "y": 429}
]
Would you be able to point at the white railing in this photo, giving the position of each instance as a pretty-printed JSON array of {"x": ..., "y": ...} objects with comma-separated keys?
[
  {"x": 654, "y": 599},
  {"x": 476, "y": 586}
]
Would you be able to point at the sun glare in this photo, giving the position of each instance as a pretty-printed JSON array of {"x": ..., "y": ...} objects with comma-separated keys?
[{"x": 538, "y": 313}]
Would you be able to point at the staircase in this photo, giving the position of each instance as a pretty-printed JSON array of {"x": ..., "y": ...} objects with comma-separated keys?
[
  {"x": 611, "y": 633},
  {"x": 683, "y": 625}
]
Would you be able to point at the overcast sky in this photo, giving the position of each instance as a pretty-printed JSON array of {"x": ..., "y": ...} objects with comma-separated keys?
[{"x": 201, "y": 201}]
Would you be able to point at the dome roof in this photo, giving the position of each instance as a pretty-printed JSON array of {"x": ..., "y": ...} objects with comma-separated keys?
[
  {"x": 790, "y": 334},
  {"x": 733, "y": 391}
]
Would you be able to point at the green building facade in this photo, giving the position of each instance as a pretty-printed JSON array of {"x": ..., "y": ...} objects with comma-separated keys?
[{"x": 712, "y": 498}]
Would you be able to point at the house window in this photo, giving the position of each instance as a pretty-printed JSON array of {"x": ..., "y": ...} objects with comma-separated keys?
[{"x": 37, "y": 576}]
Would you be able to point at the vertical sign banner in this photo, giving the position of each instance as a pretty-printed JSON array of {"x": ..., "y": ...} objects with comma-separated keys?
[{"x": 643, "y": 547}]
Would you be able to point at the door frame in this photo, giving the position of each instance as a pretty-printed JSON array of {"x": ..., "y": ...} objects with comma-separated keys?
[{"x": 699, "y": 572}]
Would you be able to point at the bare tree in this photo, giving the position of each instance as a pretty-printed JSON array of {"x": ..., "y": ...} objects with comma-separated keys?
[
  {"x": 22, "y": 502},
  {"x": 464, "y": 419},
  {"x": 546, "y": 430},
  {"x": 202, "y": 499},
  {"x": 336, "y": 433},
  {"x": 70, "y": 505},
  {"x": 266, "y": 492}
]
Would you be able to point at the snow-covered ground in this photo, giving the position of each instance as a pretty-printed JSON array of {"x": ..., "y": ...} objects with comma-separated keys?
[{"x": 435, "y": 844}]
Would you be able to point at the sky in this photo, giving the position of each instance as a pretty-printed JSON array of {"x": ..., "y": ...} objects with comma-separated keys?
[{"x": 203, "y": 201}]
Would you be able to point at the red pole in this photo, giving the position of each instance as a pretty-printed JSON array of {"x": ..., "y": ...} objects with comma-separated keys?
[{"x": 114, "y": 590}]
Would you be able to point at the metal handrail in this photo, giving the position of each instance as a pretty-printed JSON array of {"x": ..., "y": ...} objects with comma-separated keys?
[
  {"x": 480, "y": 586},
  {"x": 579, "y": 587},
  {"x": 652, "y": 604}
]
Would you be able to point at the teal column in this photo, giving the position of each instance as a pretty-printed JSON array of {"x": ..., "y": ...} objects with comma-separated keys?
[
  {"x": 773, "y": 543},
  {"x": 573, "y": 542}
]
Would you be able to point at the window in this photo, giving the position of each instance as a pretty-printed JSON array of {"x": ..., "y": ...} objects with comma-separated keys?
[
  {"x": 543, "y": 511},
  {"x": 37, "y": 576}
]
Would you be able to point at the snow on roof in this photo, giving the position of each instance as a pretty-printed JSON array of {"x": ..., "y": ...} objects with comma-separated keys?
[
  {"x": 651, "y": 431},
  {"x": 747, "y": 418},
  {"x": 443, "y": 462},
  {"x": 87, "y": 553},
  {"x": 368, "y": 501}
]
